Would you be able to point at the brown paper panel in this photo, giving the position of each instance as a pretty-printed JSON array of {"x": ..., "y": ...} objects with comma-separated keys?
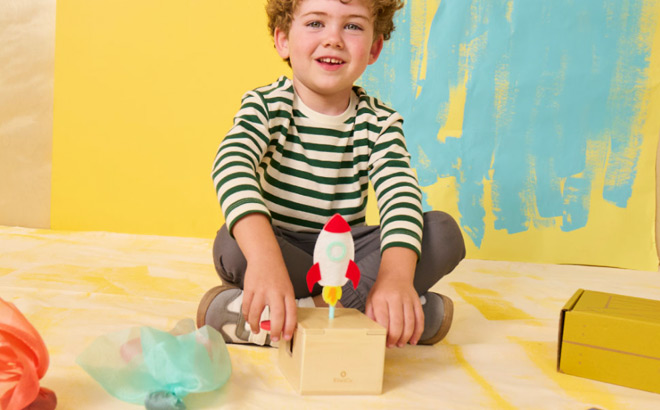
[{"x": 27, "y": 42}]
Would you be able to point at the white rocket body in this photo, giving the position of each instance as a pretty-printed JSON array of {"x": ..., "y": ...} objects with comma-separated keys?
[
  {"x": 333, "y": 256},
  {"x": 332, "y": 252}
]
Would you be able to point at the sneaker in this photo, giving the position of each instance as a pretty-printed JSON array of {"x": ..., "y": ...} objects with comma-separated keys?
[
  {"x": 438, "y": 313},
  {"x": 220, "y": 308}
]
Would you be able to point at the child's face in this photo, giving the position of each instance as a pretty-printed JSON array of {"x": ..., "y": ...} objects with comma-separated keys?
[{"x": 329, "y": 45}]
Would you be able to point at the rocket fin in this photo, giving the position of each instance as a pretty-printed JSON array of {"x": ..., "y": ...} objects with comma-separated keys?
[
  {"x": 353, "y": 273},
  {"x": 313, "y": 276}
]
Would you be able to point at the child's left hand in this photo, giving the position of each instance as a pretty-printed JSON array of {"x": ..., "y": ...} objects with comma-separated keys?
[{"x": 393, "y": 301}]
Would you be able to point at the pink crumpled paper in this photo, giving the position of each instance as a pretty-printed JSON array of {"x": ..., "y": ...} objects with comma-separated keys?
[{"x": 23, "y": 362}]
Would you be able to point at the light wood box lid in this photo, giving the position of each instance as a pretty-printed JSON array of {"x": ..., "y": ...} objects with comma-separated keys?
[{"x": 316, "y": 321}]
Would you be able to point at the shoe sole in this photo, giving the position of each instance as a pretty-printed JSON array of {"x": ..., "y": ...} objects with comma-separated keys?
[
  {"x": 446, "y": 322},
  {"x": 206, "y": 302}
]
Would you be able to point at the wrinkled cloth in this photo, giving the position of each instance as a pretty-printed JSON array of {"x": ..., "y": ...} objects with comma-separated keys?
[
  {"x": 135, "y": 364},
  {"x": 23, "y": 362}
]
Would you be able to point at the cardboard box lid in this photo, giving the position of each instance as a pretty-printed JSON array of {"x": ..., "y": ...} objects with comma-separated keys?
[
  {"x": 619, "y": 306},
  {"x": 316, "y": 321}
]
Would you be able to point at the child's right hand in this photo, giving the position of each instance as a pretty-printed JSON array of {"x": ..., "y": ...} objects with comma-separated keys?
[
  {"x": 269, "y": 285},
  {"x": 267, "y": 281}
]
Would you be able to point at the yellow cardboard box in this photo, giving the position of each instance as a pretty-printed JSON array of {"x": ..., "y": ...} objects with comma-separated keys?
[
  {"x": 611, "y": 338},
  {"x": 344, "y": 355}
]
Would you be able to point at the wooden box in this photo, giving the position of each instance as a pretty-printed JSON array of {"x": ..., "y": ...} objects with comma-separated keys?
[{"x": 344, "y": 355}]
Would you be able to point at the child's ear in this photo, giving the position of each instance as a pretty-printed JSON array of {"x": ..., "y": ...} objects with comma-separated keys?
[
  {"x": 376, "y": 48},
  {"x": 281, "y": 43}
]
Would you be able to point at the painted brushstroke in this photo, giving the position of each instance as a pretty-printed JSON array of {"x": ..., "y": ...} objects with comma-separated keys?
[{"x": 535, "y": 98}]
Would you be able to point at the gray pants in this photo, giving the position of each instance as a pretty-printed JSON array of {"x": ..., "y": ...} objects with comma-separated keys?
[{"x": 442, "y": 249}]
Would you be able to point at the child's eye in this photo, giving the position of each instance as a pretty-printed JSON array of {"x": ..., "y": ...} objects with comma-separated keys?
[
  {"x": 351, "y": 26},
  {"x": 314, "y": 24}
]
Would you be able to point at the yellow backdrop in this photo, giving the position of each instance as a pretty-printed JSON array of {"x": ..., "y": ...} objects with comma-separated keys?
[{"x": 145, "y": 91}]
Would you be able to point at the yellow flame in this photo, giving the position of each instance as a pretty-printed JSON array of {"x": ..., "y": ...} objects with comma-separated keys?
[{"x": 331, "y": 294}]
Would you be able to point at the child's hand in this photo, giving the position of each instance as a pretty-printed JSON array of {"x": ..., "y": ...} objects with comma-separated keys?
[
  {"x": 266, "y": 278},
  {"x": 269, "y": 284},
  {"x": 393, "y": 301}
]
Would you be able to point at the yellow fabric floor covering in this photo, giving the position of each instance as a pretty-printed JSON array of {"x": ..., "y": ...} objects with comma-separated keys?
[{"x": 500, "y": 352}]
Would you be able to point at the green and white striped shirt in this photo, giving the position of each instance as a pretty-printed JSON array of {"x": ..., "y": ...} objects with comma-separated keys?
[{"x": 300, "y": 167}]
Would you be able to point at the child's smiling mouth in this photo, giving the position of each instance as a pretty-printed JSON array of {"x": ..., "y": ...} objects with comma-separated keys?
[{"x": 330, "y": 60}]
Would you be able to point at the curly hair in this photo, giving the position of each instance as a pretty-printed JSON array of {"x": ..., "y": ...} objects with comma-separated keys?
[{"x": 280, "y": 14}]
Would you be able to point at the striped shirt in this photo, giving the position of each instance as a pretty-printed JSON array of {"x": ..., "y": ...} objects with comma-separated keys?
[{"x": 300, "y": 167}]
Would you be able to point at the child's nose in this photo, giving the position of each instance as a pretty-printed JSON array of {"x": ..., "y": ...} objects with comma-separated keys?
[{"x": 333, "y": 39}]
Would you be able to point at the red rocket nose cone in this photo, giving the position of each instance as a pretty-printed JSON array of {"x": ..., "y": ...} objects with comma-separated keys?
[{"x": 337, "y": 224}]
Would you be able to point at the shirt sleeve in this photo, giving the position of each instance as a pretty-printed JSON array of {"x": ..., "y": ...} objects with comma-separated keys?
[
  {"x": 235, "y": 166},
  {"x": 397, "y": 190}
]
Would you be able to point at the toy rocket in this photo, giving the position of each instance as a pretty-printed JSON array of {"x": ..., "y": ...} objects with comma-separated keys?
[{"x": 333, "y": 261}]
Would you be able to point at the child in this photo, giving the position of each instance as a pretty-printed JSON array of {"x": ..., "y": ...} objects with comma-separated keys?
[{"x": 304, "y": 149}]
